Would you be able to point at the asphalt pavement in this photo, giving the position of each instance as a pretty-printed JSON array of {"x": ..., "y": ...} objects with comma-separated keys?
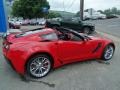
[
  {"x": 109, "y": 26},
  {"x": 89, "y": 75}
]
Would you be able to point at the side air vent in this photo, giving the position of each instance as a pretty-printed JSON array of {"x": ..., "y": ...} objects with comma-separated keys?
[{"x": 97, "y": 48}]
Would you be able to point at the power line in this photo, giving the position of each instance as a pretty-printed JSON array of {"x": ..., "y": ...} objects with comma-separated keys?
[{"x": 72, "y": 4}]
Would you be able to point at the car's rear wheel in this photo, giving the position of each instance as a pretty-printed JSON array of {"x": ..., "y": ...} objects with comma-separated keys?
[
  {"x": 87, "y": 30},
  {"x": 108, "y": 52},
  {"x": 39, "y": 66}
]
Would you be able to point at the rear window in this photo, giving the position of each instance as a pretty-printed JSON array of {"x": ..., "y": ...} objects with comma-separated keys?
[
  {"x": 29, "y": 33},
  {"x": 50, "y": 36}
]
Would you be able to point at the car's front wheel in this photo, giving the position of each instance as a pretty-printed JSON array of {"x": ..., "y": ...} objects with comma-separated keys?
[
  {"x": 39, "y": 66},
  {"x": 108, "y": 52}
]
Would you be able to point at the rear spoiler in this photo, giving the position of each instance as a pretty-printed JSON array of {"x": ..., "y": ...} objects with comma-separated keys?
[
  {"x": 4, "y": 36},
  {"x": 35, "y": 29}
]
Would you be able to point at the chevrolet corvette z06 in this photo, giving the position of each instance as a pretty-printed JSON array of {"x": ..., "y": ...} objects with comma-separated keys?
[{"x": 37, "y": 51}]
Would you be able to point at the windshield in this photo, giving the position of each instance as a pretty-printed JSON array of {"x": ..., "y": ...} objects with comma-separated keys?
[{"x": 50, "y": 36}]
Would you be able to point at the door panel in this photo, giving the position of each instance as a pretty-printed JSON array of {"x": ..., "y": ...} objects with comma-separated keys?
[
  {"x": 71, "y": 24},
  {"x": 71, "y": 50},
  {"x": 65, "y": 24},
  {"x": 75, "y": 25},
  {"x": 75, "y": 50}
]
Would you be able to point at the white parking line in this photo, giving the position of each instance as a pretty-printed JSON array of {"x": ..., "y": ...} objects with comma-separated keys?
[{"x": 113, "y": 25}]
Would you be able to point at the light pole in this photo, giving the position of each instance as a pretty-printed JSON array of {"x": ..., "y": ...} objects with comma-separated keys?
[{"x": 81, "y": 9}]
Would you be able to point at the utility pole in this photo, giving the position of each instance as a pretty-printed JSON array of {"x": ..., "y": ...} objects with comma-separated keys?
[
  {"x": 3, "y": 17},
  {"x": 81, "y": 9}
]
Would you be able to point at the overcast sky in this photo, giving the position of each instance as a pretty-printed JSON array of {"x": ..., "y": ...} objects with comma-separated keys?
[{"x": 96, "y": 4}]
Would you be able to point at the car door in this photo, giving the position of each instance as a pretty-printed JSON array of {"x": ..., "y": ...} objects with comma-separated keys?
[
  {"x": 75, "y": 50},
  {"x": 66, "y": 24},
  {"x": 75, "y": 25},
  {"x": 70, "y": 50},
  {"x": 69, "y": 24},
  {"x": 78, "y": 24}
]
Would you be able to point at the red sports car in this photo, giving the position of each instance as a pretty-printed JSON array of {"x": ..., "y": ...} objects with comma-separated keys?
[{"x": 36, "y": 52}]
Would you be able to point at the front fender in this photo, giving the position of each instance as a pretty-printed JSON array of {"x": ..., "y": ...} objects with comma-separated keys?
[{"x": 105, "y": 43}]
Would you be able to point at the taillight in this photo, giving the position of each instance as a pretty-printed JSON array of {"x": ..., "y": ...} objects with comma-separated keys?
[{"x": 6, "y": 45}]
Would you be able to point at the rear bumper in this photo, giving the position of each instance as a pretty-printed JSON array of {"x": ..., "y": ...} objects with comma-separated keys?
[
  {"x": 10, "y": 63},
  {"x": 17, "y": 64}
]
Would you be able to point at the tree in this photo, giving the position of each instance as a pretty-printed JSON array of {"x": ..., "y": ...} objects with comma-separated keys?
[
  {"x": 77, "y": 14},
  {"x": 29, "y": 8},
  {"x": 111, "y": 11},
  {"x": 107, "y": 12},
  {"x": 100, "y": 11},
  {"x": 114, "y": 10},
  {"x": 53, "y": 15}
]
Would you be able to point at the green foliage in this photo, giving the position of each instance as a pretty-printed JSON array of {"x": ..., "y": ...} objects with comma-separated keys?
[
  {"x": 100, "y": 11},
  {"x": 78, "y": 14},
  {"x": 107, "y": 12},
  {"x": 29, "y": 8},
  {"x": 111, "y": 11},
  {"x": 53, "y": 15}
]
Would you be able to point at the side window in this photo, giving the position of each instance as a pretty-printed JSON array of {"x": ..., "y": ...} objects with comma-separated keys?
[
  {"x": 50, "y": 36},
  {"x": 75, "y": 38}
]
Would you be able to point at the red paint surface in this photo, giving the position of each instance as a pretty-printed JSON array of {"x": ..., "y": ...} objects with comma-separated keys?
[{"x": 62, "y": 52}]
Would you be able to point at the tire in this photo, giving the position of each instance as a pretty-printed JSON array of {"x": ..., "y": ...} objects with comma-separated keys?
[
  {"x": 87, "y": 30},
  {"x": 35, "y": 68},
  {"x": 108, "y": 52}
]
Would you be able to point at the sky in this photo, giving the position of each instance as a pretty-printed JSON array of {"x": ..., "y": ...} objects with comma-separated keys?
[{"x": 73, "y": 5}]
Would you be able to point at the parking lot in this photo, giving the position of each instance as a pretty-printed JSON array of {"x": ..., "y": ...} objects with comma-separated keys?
[
  {"x": 90, "y": 75},
  {"x": 109, "y": 26}
]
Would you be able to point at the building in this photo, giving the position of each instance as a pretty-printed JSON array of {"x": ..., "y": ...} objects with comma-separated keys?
[{"x": 93, "y": 14}]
